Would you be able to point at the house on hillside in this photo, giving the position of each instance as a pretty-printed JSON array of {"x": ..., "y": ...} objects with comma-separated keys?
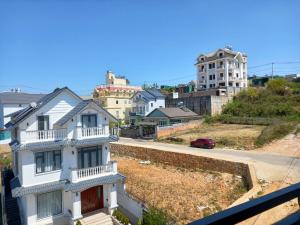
[
  {"x": 61, "y": 160},
  {"x": 144, "y": 102},
  {"x": 10, "y": 102}
]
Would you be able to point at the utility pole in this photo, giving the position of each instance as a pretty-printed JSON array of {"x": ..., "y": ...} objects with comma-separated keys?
[{"x": 272, "y": 70}]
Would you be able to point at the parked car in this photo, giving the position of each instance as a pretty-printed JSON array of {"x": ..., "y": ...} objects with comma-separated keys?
[{"x": 203, "y": 143}]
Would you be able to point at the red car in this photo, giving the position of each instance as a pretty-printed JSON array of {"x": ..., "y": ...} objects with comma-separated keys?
[{"x": 203, "y": 143}]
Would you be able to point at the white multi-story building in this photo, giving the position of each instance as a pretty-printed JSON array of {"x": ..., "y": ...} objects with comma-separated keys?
[
  {"x": 223, "y": 68},
  {"x": 61, "y": 159}
]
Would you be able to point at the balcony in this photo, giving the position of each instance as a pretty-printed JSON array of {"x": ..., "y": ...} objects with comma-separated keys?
[
  {"x": 93, "y": 172},
  {"x": 221, "y": 67},
  {"x": 92, "y": 132},
  {"x": 43, "y": 135}
]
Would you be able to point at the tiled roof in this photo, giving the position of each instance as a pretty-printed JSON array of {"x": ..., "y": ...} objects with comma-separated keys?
[
  {"x": 58, "y": 144},
  {"x": 39, "y": 104},
  {"x": 175, "y": 112},
  {"x": 81, "y": 105},
  {"x": 150, "y": 94},
  {"x": 110, "y": 179},
  {"x": 19, "y": 97},
  {"x": 18, "y": 190}
]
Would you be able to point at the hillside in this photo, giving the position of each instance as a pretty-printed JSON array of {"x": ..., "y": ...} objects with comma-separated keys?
[{"x": 277, "y": 105}]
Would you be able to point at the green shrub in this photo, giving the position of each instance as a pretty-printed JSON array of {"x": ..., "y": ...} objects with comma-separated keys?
[
  {"x": 78, "y": 222},
  {"x": 154, "y": 217},
  {"x": 274, "y": 131},
  {"x": 121, "y": 217},
  {"x": 279, "y": 86}
]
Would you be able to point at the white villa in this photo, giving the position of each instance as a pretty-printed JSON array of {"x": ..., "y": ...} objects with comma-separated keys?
[
  {"x": 223, "y": 68},
  {"x": 144, "y": 102},
  {"x": 61, "y": 160}
]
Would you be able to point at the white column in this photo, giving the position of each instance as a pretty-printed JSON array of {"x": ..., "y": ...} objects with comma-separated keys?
[
  {"x": 207, "y": 75},
  {"x": 226, "y": 73},
  {"x": 76, "y": 206},
  {"x": 112, "y": 197},
  {"x": 30, "y": 210}
]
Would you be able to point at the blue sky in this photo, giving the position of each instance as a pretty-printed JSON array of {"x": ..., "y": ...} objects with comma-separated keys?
[{"x": 53, "y": 43}]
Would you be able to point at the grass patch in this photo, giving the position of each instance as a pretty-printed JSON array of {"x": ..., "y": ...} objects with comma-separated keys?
[{"x": 274, "y": 131}]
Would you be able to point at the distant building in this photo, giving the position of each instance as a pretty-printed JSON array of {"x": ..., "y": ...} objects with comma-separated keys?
[
  {"x": 256, "y": 81},
  {"x": 170, "y": 116},
  {"x": 292, "y": 77},
  {"x": 11, "y": 102},
  {"x": 223, "y": 68},
  {"x": 144, "y": 102},
  {"x": 116, "y": 95}
]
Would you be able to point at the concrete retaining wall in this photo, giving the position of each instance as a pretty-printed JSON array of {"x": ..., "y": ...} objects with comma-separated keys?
[{"x": 185, "y": 161}]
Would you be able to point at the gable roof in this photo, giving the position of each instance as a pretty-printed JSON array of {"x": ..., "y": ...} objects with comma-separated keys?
[
  {"x": 19, "y": 97},
  {"x": 150, "y": 94},
  {"x": 80, "y": 106},
  {"x": 175, "y": 112},
  {"x": 20, "y": 115}
]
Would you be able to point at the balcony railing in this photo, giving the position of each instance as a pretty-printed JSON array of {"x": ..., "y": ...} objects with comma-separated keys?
[
  {"x": 93, "y": 172},
  {"x": 254, "y": 207},
  {"x": 91, "y": 132},
  {"x": 43, "y": 135}
]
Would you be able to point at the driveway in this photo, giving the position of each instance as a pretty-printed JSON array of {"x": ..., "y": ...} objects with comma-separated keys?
[{"x": 268, "y": 166}]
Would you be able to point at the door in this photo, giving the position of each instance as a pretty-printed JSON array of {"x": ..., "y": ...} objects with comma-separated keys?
[{"x": 92, "y": 199}]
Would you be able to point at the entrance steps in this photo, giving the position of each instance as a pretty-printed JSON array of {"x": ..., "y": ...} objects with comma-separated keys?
[{"x": 96, "y": 218}]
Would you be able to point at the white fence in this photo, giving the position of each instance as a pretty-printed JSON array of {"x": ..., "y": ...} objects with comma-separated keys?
[
  {"x": 43, "y": 135},
  {"x": 130, "y": 207}
]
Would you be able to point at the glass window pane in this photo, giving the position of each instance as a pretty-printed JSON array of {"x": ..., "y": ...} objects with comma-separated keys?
[{"x": 49, "y": 204}]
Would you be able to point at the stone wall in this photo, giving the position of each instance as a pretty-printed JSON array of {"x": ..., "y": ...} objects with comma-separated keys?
[
  {"x": 167, "y": 131},
  {"x": 185, "y": 160}
]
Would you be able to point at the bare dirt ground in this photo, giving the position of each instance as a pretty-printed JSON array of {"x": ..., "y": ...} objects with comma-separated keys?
[
  {"x": 229, "y": 135},
  {"x": 184, "y": 195},
  {"x": 288, "y": 146}
]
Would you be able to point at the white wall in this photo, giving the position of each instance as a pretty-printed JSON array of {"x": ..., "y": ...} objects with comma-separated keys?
[{"x": 55, "y": 109}]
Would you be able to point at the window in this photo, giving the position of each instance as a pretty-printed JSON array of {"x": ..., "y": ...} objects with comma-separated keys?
[
  {"x": 230, "y": 74},
  {"x": 221, "y": 74},
  {"x": 222, "y": 84},
  {"x": 213, "y": 65},
  {"x": 237, "y": 75},
  {"x": 151, "y": 104},
  {"x": 221, "y": 54},
  {"x": 20, "y": 105},
  {"x": 214, "y": 76},
  {"x": 237, "y": 84},
  {"x": 129, "y": 101},
  {"x": 47, "y": 161},
  {"x": 43, "y": 122},
  {"x": 117, "y": 102},
  {"x": 212, "y": 85},
  {"x": 89, "y": 157},
  {"x": 49, "y": 204},
  {"x": 230, "y": 84},
  {"x": 89, "y": 120}
]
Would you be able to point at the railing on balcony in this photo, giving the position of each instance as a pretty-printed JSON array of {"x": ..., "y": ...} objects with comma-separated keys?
[
  {"x": 43, "y": 135},
  {"x": 92, "y": 172},
  {"x": 254, "y": 207},
  {"x": 92, "y": 132}
]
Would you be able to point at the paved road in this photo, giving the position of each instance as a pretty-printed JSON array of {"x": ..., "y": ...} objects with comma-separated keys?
[{"x": 268, "y": 166}]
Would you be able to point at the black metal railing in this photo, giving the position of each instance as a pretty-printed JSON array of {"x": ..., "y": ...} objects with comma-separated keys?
[{"x": 254, "y": 207}]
